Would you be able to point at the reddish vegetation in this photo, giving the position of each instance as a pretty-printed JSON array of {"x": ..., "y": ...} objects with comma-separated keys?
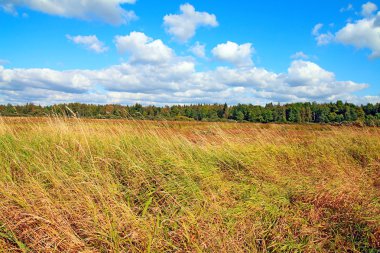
[{"x": 69, "y": 185}]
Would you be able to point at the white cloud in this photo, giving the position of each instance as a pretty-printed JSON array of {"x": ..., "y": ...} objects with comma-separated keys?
[
  {"x": 154, "y": 74},
  {"x": 176, "y": 81},
  {"x": 308, "y": 74},
  {"x": 143, "y": 49},
  {"x": 149, "y": 78},
  {"x": 198, "y": 50},
  {"x": 76, "y": 81},
  {"x": 90, "y": 42},
  {"x": 364, "y": 33},
  {"x": 307, "y": 79},
  {"x": 349, "y": 7},
  {"x": 300, "y": 55},
  {"x": 368, "y": 9},
  {"x": 316, "y": 29},
  {"x": 239, "y": 55},
  {"x": 322, "y": 38},
  {"x": 183, "y": 26},
  {"x": 8, "y": 8},
  {"x": 109, "y": 11}
]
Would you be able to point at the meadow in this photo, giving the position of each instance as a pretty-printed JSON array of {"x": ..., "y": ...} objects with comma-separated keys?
[{"x": 81, "y": 185}]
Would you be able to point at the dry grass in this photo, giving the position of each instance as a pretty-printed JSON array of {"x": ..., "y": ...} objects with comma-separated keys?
[{"x": 69, "y": 185}]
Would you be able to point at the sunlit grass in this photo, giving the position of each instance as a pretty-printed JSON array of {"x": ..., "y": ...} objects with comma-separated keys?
[{"x": 69, "y": 185}]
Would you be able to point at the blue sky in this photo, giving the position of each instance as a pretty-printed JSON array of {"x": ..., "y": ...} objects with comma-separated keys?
[{"x": 127, "y": 51}]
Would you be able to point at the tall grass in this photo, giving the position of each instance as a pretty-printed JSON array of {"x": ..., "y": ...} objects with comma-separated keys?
[{"x": 70, "y": 185}]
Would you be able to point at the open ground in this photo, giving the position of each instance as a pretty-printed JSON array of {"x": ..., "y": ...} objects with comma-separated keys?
[{"x": 73, "y": 185}]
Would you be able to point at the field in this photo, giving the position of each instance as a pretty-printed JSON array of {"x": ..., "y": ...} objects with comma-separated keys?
[{"x": 71, "y": 185}]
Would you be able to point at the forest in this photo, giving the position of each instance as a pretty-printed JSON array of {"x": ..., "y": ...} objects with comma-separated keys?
[{"x": 331, "y": 113}]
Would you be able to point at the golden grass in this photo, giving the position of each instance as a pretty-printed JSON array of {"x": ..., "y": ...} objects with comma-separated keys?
[{"x": 70, "y": 185}]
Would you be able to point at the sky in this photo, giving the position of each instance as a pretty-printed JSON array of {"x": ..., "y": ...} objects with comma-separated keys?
[{"x": 186, "y": 52}]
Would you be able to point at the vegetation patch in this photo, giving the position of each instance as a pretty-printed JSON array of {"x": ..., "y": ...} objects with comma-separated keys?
[{"x": 71, "y": 185}]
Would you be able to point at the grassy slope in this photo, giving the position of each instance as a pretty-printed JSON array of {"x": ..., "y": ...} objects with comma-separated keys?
[{"x": 117, "y": 186}]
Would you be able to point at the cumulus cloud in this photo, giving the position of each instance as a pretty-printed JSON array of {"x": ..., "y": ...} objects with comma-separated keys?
[
  {"x": 325, "y": 38},
  {"x": 150, "y": 78},
  {"x": 299, "y": 55},
  {"x": 322, "y": 38},
  {"x": 198, "y": 50},
  {"x": 183, "y": 26},
  {"x": 143, "y": 49},
  {"x": 239, "y": 55},
  {"x": 8, "y": 8},
  {"x": 76, "y": 81},
  {"x": 363, "y": 33},
  {"x": 307, "y": 79},
  {"x": 305, "y": 73},
  {"x": 154, "y": 74},
  {"x": 349, "y": 7},
  {"x": 109, "y": 11},
  {"x": 368, "y": 9},
  {"x": 174, "y": 82},
  {"x": 90, "y": 42},
  {"x": 316, "y": 29}
]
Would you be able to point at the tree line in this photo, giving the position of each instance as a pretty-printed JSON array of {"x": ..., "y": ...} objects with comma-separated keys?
[{"x": 332, "y": 113}]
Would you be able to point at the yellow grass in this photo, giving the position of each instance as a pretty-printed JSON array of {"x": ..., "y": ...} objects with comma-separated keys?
[{"x": 70, "y": 185}]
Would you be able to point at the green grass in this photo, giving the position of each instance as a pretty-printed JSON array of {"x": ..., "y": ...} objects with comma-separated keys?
[{"x": 69, "y": 185}]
